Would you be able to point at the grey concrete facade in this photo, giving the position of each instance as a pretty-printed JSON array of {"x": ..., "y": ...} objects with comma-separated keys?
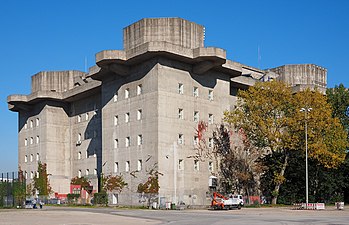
[{"x": 136, "y": 110}]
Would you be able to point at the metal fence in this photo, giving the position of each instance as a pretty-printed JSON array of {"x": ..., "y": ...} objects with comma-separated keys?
[{"x": 12, "y": 189}]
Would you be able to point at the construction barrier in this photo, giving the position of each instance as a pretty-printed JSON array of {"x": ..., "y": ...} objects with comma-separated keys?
[{"x": 310, "y": 206}]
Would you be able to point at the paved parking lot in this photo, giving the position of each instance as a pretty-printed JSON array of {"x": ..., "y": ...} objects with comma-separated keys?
[{"x": 107, "y": 216}]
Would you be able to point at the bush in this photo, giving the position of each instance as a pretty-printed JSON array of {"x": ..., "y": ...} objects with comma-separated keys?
[
  {"x": 72, "y": 197},
  {"x": 100, "y": 198}
]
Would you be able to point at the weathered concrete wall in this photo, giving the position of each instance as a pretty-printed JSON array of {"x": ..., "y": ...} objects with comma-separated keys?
[
  {"x": 173, "y": 30},
  {"x": 56, "y": 81}
]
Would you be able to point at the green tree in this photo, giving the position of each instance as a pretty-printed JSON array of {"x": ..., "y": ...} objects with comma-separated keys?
[
  {"x": 41, "y": 182},
  {"x": 269, "y": 114},
  {"x": 113, "y": 183},
  {"x": 338, "y": 98}
]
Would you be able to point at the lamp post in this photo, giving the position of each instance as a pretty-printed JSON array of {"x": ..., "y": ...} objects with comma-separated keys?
[{"x": 306, "y": 110}]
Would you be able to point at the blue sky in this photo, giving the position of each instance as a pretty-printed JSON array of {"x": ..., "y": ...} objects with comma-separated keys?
[{"x": 62, "y": 35}]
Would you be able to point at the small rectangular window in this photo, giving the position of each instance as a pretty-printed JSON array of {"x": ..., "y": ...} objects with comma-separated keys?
[
  {"x": 79, "y": 155},
  {"x": 87, "y": 172},
  {"x": 210, "y": 118},
  {"x": 26, "y": 125},
  {"x": 195, "y": 91},
  {"x": 139, "y": 139},
  {"x": 139, "y": 89},
  {"x": 31, "y": 157},
  {"x": 180, "y": 164},
  {"x": 116, "y": 143},
  {"x": 180, "y": 88},
  {"x": 25, "y": 142},
  {"x": 37, "y": 174},
  {"x": 196, "y": 165},
  {"x": 139, "y": 114},
  {"x": 116, "y": 96},
  {"x": 210, "y": 95},
  {"x": 210, "y": 142},
  {"x": 116, "y": 120},
  {"x": 31, "y": 123},
  {"x": 127, "y": 93},
  {"x": 127, "y": 142},
  {"x": 127, "y": 117},
  {"x": 139, "y": 165},
  {"x": 196, "y": 116},
  {"x": 95, "y": 172},
  {"x": 127, "y": 166},
  {"x": 37, "y": 122},
  {"x": 180, "y": 139},
  {"x": 210, "y": 166},
  {"x": 25, "y": 158},
  {"x": 79, "y": 173},
  {"x": 79, "y": 118},
  {"x": 180, "y": 114},
  {"x": 196, "y": 140},
  {"x": 37, "y": 139},
  {"x": 37, "y": 157},
  {"x": 31, "y": 140},
  {"x": 86, "y": 116},
  {"x": 31, "y": 175},
  {"x": 116, "y": 167}
]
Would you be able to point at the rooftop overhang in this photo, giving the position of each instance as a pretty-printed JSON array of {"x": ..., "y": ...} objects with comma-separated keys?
[
  {"x": 202, "y": 59},
  {"x": 18, "y": 103}
]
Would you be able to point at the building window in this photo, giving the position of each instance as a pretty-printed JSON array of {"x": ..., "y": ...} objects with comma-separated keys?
[
  {"x": 139, "y": 114},
  {"x": 79, "y": 138},
  {"x": 37, "y": 174},
  {"x": 116, "y": 143},
  {"x": 180, "y": 114},
  {"x": 210, "y": 118},
  {"x": 196, "y": 140},
  {"x": 139, "y": 139},
  {"x": 116, "y": 96},
  {"x": 79, "y": 155},
  {"x": 31, "y": 140},
  {"x": 127, "y": 166},
  {"x": 95, "y": 172},
  {"x": 26, "y": 175},
  {"x": 87, "y": 172},
  {"x": 37, "y": 139},
  {"x": 127, "y": 142},
  {"x": 25, "y": 142},
  {"x": 116, "y": 120},
  {"x": 116, "y": 167},
  {"x": 79, "y": 118},
  {"x": 139, "y": 165},
  {"x": 210, "y": 166},
  {"x": 37, "y": 157},
  {"x": 195, "y": 91},
  {"x": 210, "y": 95},
  {"x": 26, "y": 125},
  {"x": 127, "y": 93},
  {"x": 127, "y": 117},
  {"x": 25, "y": 158},
  {"x": 86, "y": 116},
  {"x": 180, "y": 88},
  {"x": 196, "y": 165},
  {"x": 180, "y": 164},
  {"x": 95, "y": 153},
  {"x": 31, "y": 175},
  {"x": 210, "y": 142},
  {"x": 180, "y": 139},
  {"x": 139, "y": 89},
  {"x": 31, "y": 124},
  {"x": 37, "y": 122},
  {"x": 31, "y": 157},
  {"x": 196, "y": 116},
  {"x": 79, "y": 174}
]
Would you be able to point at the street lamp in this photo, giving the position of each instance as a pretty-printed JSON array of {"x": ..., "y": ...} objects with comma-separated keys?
[{"x": 306, "y": 110}]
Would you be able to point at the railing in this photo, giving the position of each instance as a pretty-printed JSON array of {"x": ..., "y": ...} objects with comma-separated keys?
[{"x": 12, "y": 189}]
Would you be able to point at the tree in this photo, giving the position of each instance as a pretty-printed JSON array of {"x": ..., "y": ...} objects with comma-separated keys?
[
  {"x": 240, "y": 168},
  {"x": 338, "y": 98},
  {"x": 269, "y": 114},
  {"x": 150, "y": 188},
  {"x": 113, "y": 183},
  {"x": 82, "y": 181},
  {"x": 41, "y": 181}
]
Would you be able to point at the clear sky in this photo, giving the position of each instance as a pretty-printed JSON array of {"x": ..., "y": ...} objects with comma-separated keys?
[{"x": 41, "y": 35}]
